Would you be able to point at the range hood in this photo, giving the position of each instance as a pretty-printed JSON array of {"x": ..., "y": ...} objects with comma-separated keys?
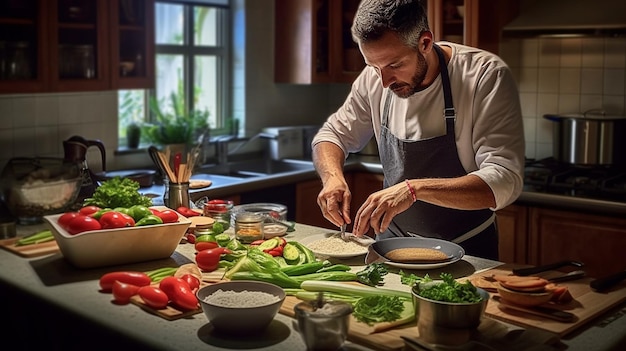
[{"x": 569, "y": 18}]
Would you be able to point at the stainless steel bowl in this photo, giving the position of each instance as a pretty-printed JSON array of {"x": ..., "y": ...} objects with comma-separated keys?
[{"x": 447, "y": 314}]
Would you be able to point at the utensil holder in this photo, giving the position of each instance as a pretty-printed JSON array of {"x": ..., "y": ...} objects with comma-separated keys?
[{"x": 176, "y": 195}]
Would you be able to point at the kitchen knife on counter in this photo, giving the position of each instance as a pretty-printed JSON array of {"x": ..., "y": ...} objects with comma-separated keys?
[
  {"x": 547, "y": 312},
  {"x": 607, "y": 282},
  {"x": 546, "y": 267}
]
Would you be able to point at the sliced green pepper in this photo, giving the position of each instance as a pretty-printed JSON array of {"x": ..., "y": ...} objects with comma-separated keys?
[
  {"x": 99, "y": 214},
  {"x": 149, "y": 220}
]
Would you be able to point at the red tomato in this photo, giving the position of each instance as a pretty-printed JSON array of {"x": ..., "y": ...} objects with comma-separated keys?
[
  {"x": 82, "y": 223},
  {"x": 64, "y": 219},
  {"x": 208, "y": 259},
  {"x": 153, "y": 296},
  {"x": 128, "y": 277},
  {"x": 191, "y": 238},
  {"x": 89, "y": 210},
  {"x": 203, "y": 245},
  {"x": 277, "y": 251},
  {"x": 179, "y": 292},
  {"x": 216, "y": 201},
  {"x": 122, "y": 292},
  {"x": 114, "y": 219},
  {"x": 192, "y": 280},
  {"x": 187, "y": 212},
  {"x": 168, "y": 216}
]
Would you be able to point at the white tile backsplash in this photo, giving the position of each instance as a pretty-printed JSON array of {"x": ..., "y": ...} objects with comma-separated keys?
[{"x": 567, "y": 75}]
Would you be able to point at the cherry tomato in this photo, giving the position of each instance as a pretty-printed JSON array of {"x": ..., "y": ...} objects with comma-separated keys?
[
  {"x": 129, "y": 277},
  {"x": 89, "y": 210},
  {"x": 203, "y": 245},
  {"x": 122, "y": 292},
  {"x": 82, "y": 223},
  {"x": 114, "y": 219},
  {"x": 277, "y": 251},
  {"x": 208, "y": 259},
  {"x": 192, "y": 280},
  {"x": 187, "y": 212},
  {"x": 168, "y": 216},
  {"x": 153, "y": 296},
  {"x": 179, "y": 292},
  {"x": 64, "y": 219}
]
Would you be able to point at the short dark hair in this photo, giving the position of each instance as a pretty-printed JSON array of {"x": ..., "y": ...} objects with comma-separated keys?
[{"x": 374, "y": 18}]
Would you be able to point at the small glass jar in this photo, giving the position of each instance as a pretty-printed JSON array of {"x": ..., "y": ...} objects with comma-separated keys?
[
  {"x": 219, "y": 211},
  {"x": 248, "y": 227}
]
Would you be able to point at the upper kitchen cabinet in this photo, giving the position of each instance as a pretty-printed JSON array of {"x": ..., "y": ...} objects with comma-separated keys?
[
  {"x": 23, "y": 45},
  {"x": 132, "y": 44},
  {"x": 75, "y": 45},
  {"x": 475, "y": 23},
  {"x": 313, "y": 43}
]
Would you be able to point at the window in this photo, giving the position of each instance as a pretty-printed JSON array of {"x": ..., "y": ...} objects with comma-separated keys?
[{"x": 192, "y": 64}]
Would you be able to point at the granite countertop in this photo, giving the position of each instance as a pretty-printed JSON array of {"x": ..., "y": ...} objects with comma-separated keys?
[{"x": 49, "y": 282}]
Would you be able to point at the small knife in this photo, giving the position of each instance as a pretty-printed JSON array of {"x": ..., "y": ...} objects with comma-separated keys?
[
  {"x": 547, "y": 312},
  {"x": 547, "y": 267},
  {"x": 573, "y": 275}
]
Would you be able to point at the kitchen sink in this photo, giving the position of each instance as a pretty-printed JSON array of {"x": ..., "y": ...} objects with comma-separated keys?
[{"x": 258, "y": 168}]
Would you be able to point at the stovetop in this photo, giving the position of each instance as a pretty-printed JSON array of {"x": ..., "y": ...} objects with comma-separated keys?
[{"x": 593, "y": 182}]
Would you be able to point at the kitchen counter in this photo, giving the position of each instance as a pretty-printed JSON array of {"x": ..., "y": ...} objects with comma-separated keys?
[
  {"x": 49, "y": 302},
  {"x": 226, "y": 186}
]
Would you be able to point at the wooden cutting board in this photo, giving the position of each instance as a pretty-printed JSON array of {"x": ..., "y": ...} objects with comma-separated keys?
[
  {"x": 33, "y": 250},
  {"x": 363, "y": 334},
  {"x": 587, "y": 304}
]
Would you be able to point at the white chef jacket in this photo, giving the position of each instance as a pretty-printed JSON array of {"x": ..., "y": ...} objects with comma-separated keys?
[{"x": 489, "y": 127}]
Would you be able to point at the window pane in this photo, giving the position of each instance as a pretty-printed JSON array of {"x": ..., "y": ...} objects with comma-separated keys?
[
  {"x": 205, "y": 89},
  {"x": 205, "y": 31},
  {"x": 169, "y": 24},
  {"x": 131, "y": 108},
  {"x": 169, "y": 80}
]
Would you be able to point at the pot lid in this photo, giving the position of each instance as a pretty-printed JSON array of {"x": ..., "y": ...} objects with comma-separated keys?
[{"x": 591, "y": 115}]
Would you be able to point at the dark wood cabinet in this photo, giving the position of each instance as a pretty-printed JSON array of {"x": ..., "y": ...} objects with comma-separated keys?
[
  {"x": 313, "y": 43},
  {"x": 307, "y": 210},
  {"x": 479, "y": 23},
  {"x": 76, "y": 45},
  {"x": 597, "y": 241},
  {"x": 512, "y": 224}
]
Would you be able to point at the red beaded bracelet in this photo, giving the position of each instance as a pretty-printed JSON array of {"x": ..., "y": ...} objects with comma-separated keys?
[{"x": 413, "y": 195}]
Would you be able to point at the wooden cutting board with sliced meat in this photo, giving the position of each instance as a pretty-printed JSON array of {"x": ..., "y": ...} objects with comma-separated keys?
[
  {"x": 33, "y": 250},
  {"x": 587, "y": 304}
]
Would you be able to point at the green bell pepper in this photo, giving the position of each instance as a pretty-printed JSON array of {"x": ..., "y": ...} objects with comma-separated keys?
[{"x": 149, "y": 220}]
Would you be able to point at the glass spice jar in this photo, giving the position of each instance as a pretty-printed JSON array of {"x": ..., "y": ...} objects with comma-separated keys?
[
  {"x": 220, "y": 211},
  {"x": 248, "y": 227}
]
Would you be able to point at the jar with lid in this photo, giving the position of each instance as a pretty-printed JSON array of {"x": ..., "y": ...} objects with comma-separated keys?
[
  {"x": 248, "y": 227},
  {"x": 220, "y": 211}
]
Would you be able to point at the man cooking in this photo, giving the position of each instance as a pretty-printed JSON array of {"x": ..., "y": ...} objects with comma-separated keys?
[{"x": 448, "y": 125}]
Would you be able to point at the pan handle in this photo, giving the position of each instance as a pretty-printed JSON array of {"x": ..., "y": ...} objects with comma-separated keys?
[
  {"x": 547, "y": 267},
  {"x": 605, "y": 283}
]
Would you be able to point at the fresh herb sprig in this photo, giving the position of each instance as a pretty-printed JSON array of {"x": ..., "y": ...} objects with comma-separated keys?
[
  {"x": 118, "y": 192},
  {"x": 449, "y": 290}
]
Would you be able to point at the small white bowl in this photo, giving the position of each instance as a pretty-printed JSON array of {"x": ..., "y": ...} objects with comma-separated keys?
[
  {"x": 107, "y": 247},
  {"x": 241, "y": 320}
]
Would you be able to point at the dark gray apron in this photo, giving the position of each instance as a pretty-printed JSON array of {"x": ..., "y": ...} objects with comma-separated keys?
[{"x": 434, "y": 158}]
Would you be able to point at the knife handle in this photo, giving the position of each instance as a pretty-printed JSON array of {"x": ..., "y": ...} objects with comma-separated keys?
[
  {"x": 547, "y": 267},
  {"x": 547, "y": 312},
  {"x": 607, "y": 282}
]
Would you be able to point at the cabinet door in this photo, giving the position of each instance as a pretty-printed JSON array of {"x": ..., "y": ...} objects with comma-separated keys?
[
  {"x": 307, "y": 210},
  {"x": 364, "y": 184},
  {"x": 79, "y": 45},
  {"x": 23, "y": 47},
  {"x": 597, "y": 241},
  {"x": 513, "y": 234},
  {"x": 312, "y": 42},
  {"x": 132, "y": 44},
  {"x": 479, "y": 23}
]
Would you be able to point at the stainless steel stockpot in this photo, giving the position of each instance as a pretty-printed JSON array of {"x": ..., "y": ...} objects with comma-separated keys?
[{"x": 591, "y": 138}]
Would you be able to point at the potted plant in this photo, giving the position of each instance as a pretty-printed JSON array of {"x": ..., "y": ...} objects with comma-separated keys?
[{"x": 177, "y": 127}]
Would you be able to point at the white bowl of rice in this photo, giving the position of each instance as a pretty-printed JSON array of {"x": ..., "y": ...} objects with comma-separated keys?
[{"x": 241, "y": 305}]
